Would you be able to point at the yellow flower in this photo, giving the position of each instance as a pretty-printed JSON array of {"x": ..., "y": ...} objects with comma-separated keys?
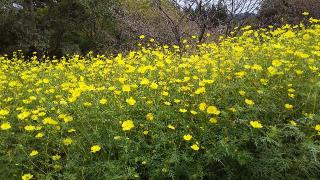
[
  {"x": 23, "y": 115},
  {"x": 317, "y": 127},
  {"x": 256, "y": 124},
  {"x": 202, "y": 106},
  {"x": 288, "y": 106},
  {"x": 306, "y": 37},
  {"x": 13, "y": 83},
  {"x": 103, "y": 101},
  {"x": 167, "y": 103},
  {"x": 154, "y": 86},
  {"x": 299, "y": 72},
  {"x": 34, "y": 117},
  {"x": 291, "y": 95},
  {"x": 264, "y": 81},
  {"x": 213, "y": 110},
  {"x": 121, "y": 80},
  {"x": 4, "y": 112},
  {"x": 88, "y": 104},
  {"x": 131, "y": 101},
  {"x": 240, "y": 74},
  {"x": 126, "y": 88},
  {"x": 46, "y": 81},
  {"x": 249, "y": 102},
  {"x": 29, "y": 128},
  {"x": 50, "y": 121},
  {"x": 127, "y": 125},
  {"x": 200, "y": 90},
  {"x": 187, "y": 137},
  {"x": 195, "y": 147},
  {"x": 34, "y": 153},
  {"x": 67, "y": 141},
  {"x": 256, "y": 67},
  {"x": 56, "y": 157},
  {"x": 146, "y": 132},
  {"x": 213, "y": 120},
  {"x": 95, "y": 148},
  {"x": 65, "y": 118},
  {"x": 27, "y": 176},
  {"x": 232, "y": 109},
  {"x": 39, "y": 135},
  {"x": 183, "y": 110},
  {"x": 5, "y": 126},
  {"x": 193, "y": 112},
  {"x": 272, "y": 70},
  {"x": 165, "y": 93},
  {"x": 242, "y": 93},
  {"x": 42, "y": 114},
  {"x": 117, "y": 92},
  {"x": 291, "y": 90},
  {"x": 305, "y": 13},
  {"x": 71, "y": 130},
  {"x": 293, "y": 123},
  {"x": 171, "y": 127},
  {"x": 276, "y": 63},
  {"x": 177, "y": 100},
  {"x": 144, "y": 81},
  {"x": 149, "y": 117},
  {"x": 142, "y": 36}
]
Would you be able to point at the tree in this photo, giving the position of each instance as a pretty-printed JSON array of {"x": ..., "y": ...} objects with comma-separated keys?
[
  {"x": 59, "y": 27},
  {"x": 101, "y": 26},
  {"x": 207, "y": 14},
  {"x": 279, "y": 12},
  {"x": 135, "y": 18},
  {"x": 240, "y": 12},
  {"x": 16, "y": 26}
]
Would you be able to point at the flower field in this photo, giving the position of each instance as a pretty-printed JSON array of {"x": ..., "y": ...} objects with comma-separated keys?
[{"x": 245, "y": 108}]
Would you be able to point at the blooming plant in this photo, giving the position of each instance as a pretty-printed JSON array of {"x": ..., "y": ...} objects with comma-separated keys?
[{"x": 245, "y": 108}]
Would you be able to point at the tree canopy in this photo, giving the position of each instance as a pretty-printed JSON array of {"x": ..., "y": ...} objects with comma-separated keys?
[{"x": 60, "y": 27}]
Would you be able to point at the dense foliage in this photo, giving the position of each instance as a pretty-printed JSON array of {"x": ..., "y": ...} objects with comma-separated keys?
[
  {"x": 60, "y": 27},
  {"x": 245, "y": 108},
  {"x": 57, "y": 27},
  {"x": 287, "y": 11}
]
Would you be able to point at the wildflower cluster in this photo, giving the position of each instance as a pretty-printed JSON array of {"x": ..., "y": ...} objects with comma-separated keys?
[{"x": 246, "y": 107}]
